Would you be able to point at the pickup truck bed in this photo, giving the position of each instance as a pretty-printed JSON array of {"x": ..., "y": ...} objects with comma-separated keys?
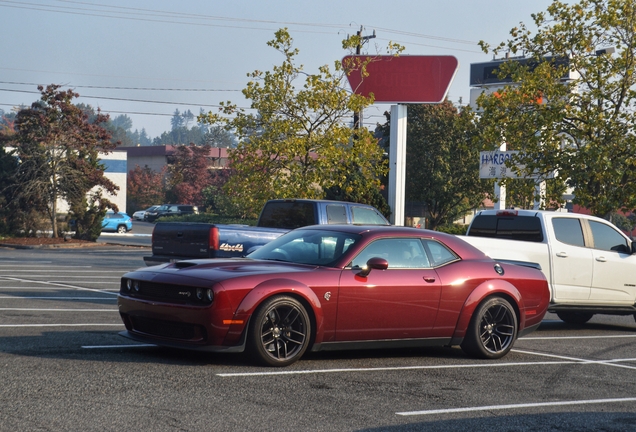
[{"x": 176, "y": 241}]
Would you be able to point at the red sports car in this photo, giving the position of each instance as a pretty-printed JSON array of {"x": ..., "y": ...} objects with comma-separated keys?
[{"x": 337, "y": 287}]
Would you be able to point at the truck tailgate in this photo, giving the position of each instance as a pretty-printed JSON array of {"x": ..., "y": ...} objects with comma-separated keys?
[{"x": 181, "y": 239}]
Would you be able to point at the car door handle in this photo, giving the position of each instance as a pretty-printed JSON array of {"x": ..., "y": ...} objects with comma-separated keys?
[
  {"x": 601, "y": 259},
  {"x": 429, "y": 279},
  {"x": 562, "y": 254}
]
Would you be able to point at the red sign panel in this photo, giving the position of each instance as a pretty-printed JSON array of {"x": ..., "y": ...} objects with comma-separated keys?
[{"x": 404, "y": 79}]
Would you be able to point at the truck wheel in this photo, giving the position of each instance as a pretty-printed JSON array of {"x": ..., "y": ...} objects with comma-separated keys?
[
  {"x": 576, "y": 318},
  {"x": 492, "y": 330},
  {"x": 279, "y": 332}
]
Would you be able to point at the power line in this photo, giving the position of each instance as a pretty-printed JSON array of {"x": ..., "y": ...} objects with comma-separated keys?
[
  {"x": 126, "y": 88},
  {"x": 171, "y": 15},
  {"x": 121, "y": 99}
]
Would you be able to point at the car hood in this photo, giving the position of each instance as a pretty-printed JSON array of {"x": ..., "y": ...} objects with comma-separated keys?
[{"x": 216, "y": 270}]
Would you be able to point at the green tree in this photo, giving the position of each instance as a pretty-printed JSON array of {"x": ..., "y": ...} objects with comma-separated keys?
[
  {"x": 583, "y": 128},
  {"x": 58, "y": 152},
  {"x": 442, "y": 164},
  {"x": 303, "y": 137}
]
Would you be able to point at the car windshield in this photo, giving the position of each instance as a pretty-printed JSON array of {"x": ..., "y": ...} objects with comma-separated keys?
[{"x": 311, "y": 247}]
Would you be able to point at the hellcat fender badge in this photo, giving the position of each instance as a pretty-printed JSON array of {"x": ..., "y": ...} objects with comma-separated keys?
[
  {"x": 499, "y": 269},
  {"x": 327, "y": 295}
]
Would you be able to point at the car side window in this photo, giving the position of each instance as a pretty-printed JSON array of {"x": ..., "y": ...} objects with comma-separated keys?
[
  {"x": 438, "y": 253},
  {"x": 336, "y": 214},
  {"x": 568, "y": 231},
  {"x": 366, "y": 216},
  {"x": 399, "y": 253},
  {"x": 607, "y": 238}
]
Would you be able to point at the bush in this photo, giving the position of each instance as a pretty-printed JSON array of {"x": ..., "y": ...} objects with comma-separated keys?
[
  {"x": 209, "y": 218},
  {"x": 455, "y": 229}
]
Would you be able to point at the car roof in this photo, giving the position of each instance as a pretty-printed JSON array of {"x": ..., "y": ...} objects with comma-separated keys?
[{"x": 464, "y": 249}]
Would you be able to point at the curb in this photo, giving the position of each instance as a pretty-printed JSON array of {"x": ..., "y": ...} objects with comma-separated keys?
[{"x": 50, "y": 246}]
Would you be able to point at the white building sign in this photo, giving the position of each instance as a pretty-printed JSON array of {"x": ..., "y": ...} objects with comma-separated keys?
[{"x": 496, "y": 164}]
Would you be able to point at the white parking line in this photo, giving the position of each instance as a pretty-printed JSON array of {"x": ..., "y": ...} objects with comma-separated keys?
[
  {"x": 64, "y": 285},
  {"x": 58, "y": 310},
  {"x": 55, "y": 298},
  {"x": 612, "y": 362},
  {"x": 60, "y": 325},
  {"x": 397, "y": 368},
  {"x": 40, "y": 270},
  {"x": 117, "y": 346},
  {"x": 516, "y": 406},
  {"x": 577, "y": 337}
]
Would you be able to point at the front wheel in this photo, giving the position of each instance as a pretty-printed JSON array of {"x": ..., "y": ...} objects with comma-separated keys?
[
  {"x": 576, "y": 318},
  {"x": 279, "y": 332},
  {"x": 121, "y": 229},
  {"x": 492, "y": 330}
]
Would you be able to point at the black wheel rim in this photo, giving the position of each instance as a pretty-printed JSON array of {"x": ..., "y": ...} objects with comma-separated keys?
[
  {"x": 283, "y": 332},
  {"x": 497, "y": 329}
]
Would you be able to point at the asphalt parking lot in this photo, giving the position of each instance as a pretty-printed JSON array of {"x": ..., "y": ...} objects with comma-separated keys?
[{"x": 64, "y": 367}]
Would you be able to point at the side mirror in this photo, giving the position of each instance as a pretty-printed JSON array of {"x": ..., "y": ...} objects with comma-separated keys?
[{"x": 374, "y": 263}]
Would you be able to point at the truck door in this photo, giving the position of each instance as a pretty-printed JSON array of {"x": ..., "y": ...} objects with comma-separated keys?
[
  {"x": 614, "y": 276},
  {"x": 571, "y": 261}
]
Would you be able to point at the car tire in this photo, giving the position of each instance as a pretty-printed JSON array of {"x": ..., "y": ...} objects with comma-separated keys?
[
  {"x": 576, "y": 318},
  {"x": 121, "y": 229},
  {"x": 279, "y": 332},
  {"x": 492, "y": 330}
]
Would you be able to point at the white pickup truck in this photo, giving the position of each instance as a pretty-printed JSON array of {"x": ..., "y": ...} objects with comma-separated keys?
[{"x": 589, "y": 263}]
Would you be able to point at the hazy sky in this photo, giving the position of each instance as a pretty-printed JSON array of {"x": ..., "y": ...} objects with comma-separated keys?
[{"x": 147, "y": 58}]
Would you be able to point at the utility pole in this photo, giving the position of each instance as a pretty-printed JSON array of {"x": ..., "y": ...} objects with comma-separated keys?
[{"x": 357, "y": 116}]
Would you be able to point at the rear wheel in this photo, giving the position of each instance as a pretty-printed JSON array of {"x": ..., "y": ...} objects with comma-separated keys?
[
  {"x": 279, "y": 332},
  {"x": 492, "y": 330},
  {"x": 121, "y": 229},
  {"x": 577, "y": 318}
]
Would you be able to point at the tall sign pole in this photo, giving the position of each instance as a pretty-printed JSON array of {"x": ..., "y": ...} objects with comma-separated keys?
[
  {"x": 402, "y": 80},
  {"x": 397, "y": 163}
]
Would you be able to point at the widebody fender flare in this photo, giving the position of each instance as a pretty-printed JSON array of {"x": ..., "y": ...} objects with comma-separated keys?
[
  {"x": 490, "y": 288},
  {"x": 271, "y": 288}
]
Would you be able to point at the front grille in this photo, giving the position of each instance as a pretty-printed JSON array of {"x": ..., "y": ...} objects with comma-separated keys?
[
  {"x": 168, "y": 329},
  {"x": 163, "y": 293}
]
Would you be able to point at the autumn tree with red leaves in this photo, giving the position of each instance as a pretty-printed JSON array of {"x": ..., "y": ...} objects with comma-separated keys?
[
  {"x": 188, "y": 174},
  {"x": 59, "y": 159},
  {"x": 145, "y": 188}
]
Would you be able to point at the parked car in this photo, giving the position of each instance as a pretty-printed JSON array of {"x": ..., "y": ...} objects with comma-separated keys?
[
  {"x": 331, "y": 287},
  {"x": 119, "y": 222},
  {"x": 170, "y": 210},
  {"x": 589, "y": 263},
  {"x": 141, "y": 214}
]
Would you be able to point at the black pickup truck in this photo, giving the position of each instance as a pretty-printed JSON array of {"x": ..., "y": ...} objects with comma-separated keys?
[{"x": 176, "y": 241}]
